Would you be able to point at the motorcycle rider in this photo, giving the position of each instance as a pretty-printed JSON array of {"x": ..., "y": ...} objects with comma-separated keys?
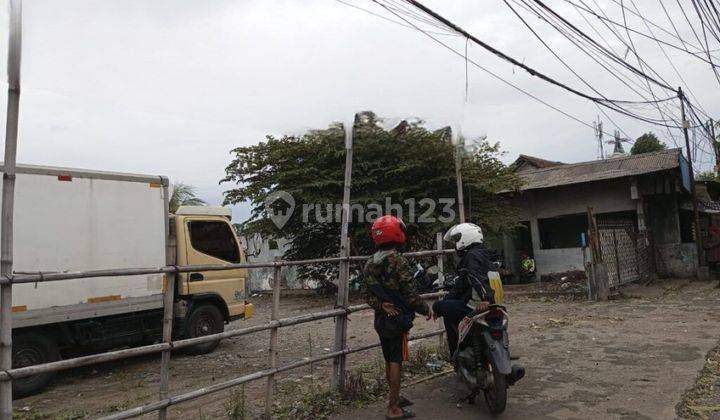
[{"x": 472, "y": 289}]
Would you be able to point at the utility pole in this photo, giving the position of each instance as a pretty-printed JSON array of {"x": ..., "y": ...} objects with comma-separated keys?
[{"x": 696, "y": 214}]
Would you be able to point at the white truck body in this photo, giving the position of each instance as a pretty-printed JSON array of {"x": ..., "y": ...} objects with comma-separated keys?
[{"x": 77, "y": 220}]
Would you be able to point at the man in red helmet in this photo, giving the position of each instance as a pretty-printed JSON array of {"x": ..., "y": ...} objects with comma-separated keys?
[{"x": 388, "y": 289}]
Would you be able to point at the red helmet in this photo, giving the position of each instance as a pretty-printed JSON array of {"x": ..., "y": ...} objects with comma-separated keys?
[{"x": 388, "y": 229}]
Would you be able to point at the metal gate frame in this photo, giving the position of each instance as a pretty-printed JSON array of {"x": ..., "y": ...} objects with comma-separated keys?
[{"x": 627, "y": 253}]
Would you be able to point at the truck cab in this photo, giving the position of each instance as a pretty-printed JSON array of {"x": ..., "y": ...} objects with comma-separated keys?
[{"x": 208, "y": 299}]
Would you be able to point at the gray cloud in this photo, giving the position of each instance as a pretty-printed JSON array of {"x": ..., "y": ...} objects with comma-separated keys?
[{"x": 169, "y": 87}]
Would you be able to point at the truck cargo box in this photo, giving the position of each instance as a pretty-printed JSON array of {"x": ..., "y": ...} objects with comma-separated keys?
[{"x": 77, "y": 220}]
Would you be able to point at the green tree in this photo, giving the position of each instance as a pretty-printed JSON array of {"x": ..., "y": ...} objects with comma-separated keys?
[
  {"x": 708, "y": 176},
  {"x": 647, "y": 143},
  {"x": 408, "y": 163},
  {"x": 183, "y": 195}
]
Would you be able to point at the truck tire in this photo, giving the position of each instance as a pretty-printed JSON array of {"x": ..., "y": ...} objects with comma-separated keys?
[
  {"x": 33, "y": 349},
  {"x": 205, "y": 319}
]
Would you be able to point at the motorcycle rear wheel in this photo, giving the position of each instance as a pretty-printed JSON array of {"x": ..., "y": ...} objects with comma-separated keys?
[{"x": 496, "y": 391}]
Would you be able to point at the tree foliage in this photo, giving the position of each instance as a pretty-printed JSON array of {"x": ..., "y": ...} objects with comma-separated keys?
[
  {"x": 647, "y": 143},
  {"x": 708, "y": 176},
  {"x": 183, "y": 195},
  {"x": 405, "y": 163}
]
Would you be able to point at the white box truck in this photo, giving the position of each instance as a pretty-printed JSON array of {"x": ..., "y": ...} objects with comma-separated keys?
[{"x": 77, "y": 220}]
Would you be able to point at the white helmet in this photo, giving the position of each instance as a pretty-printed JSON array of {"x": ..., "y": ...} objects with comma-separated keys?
[{"x": 463, "y": 235}]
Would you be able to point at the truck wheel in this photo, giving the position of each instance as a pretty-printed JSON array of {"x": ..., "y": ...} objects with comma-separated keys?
[
  {"x": 205, "y": 319},
  {"x": 33, "y": 349}
]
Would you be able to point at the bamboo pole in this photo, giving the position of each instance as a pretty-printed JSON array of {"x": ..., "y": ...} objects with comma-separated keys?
[
  {"x": 338, "y": 377},
  {"x": 458, "y": 176},
  {"x": 441, "y": 275},
  {"x": 116, "y": 272},
  {"x": 138, "y": 411},
  {"x": 8, "y": 198},
  {"x": 168, "y": 301},
  {"x": 273, "y": 355}
]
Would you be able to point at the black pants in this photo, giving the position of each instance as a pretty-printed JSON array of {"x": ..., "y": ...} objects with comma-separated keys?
[{"x": 452, "y": 311}]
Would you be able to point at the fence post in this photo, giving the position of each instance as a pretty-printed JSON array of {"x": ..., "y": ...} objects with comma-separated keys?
[
  {"x": 599, "y": 271},
  {"x": 8, "y": 198},
  {"x": 338, "y": 377},
  {"x": 170, "y": 279},
  {"x": 441, "y": 276},
  {"x": 272, "y": 357},
  {"x": 459, "y": 149}
]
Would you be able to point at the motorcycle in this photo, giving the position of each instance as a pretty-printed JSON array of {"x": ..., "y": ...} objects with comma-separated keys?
[
  {"x": 482, "y": 357},
  {"x": 428, "y": 280}
]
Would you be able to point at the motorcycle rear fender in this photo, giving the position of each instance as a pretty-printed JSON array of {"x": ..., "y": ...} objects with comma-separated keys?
[{"x": 497, "y": 350}]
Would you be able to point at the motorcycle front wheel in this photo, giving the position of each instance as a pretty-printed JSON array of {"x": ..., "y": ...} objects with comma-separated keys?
[{"x": 496, "y": 391}]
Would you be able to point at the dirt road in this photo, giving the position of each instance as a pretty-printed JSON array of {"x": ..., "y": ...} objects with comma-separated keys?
[
  {"x": 630, "y": 357},
  {"x": 622, "y": 359}
]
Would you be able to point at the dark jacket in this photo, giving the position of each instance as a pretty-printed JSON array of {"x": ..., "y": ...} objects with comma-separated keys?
[{"x": 473, "y": 272}]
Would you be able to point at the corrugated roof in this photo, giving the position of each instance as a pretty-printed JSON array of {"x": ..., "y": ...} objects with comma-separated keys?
[
  {"x": 596, "y": 170},
  {"x": 536, "y": 161}
]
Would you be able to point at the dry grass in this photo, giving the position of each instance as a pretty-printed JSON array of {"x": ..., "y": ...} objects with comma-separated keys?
[{"x": 702, "y": 401}]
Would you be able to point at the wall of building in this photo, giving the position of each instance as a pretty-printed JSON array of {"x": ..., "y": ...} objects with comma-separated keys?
[
  {"x": 549, "y": 261},
  {"x": 656, "y": 195},
  {"x": 605, "y": 197},
  {"x": 258, "y": 249}
]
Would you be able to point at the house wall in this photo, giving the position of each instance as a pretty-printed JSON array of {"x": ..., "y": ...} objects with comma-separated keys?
[
  {"x": 604, "y": 197},
  {"x": 548, "y": 261},
  {"x": 676, "y": 260},
  {"x": 656, "y": 197}
]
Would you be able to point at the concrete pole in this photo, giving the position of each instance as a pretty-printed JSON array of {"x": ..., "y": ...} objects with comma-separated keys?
[
  {"x": 338, "y": 377},
  {"x": 8, "y": 198},
  {"x": 696, "y": 214}
]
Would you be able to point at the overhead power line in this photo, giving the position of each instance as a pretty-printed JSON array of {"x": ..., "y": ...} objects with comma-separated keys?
[
  {"x": 491, "y": 73},
  {"x": 610, "y": 104},
  {"x": 378, "y": 15}
]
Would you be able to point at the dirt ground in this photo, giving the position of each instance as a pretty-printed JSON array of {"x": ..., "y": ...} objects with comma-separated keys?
[
  {"x": 629, "y": 358},
  {"x": 632, "y": 358}
]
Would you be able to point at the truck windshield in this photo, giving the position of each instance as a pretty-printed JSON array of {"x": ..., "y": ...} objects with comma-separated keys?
[{"x": 214, "y": 239}]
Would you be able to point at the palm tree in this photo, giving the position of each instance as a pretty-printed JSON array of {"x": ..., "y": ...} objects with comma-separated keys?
[{"x": 183, "y": 195}]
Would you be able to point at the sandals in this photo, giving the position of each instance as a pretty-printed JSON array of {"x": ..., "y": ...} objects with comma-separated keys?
[
  {"x": 406, "y": 414},
  {"x": 404, "y": 402}
]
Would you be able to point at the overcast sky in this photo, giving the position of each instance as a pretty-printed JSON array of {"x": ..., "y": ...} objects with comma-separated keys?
[{"x": 170, "y": 87}]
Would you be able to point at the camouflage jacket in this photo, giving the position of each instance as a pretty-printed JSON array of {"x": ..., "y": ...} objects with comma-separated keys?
[{"x": 392, "y": 271}]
